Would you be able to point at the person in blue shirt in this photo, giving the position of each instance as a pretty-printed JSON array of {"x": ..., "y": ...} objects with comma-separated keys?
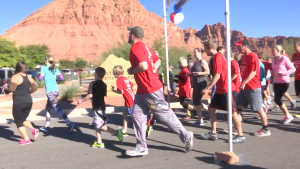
[{"x": 49, "y": 74}]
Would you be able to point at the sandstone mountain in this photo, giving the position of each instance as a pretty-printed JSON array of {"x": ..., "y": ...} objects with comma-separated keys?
[{"x": 86, "y": 28}]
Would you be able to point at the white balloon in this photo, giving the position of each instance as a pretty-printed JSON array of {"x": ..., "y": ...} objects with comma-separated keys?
[{"x": 178, "y": 18}]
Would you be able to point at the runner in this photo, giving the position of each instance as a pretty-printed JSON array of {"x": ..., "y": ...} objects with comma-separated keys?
[
  {"x": 219, "y": 101},
  {"x": 49, "y": 73},
  {"x": 22, "y": 86},
  {"x": 282, "y": 68},
  {"x": 198, "y": 73},
  {"x": 296, "y": 61},
  {"x": 172, "y": 81},
  {"x": 150, "y": 95},
  {"x": 250, "y": 88}
]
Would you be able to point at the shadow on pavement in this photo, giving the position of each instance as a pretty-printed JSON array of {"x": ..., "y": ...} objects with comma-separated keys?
[{"x": 9, "y": 134}]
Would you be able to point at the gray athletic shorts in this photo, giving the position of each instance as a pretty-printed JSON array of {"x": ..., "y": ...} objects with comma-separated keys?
[
  {"x": 128, "y": 110},
  {"x": 100, "y": 119},
  {"x": 252, "y": 97}
]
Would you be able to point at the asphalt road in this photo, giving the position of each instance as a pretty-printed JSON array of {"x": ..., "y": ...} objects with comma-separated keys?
[{"x": 58, "y": 149}]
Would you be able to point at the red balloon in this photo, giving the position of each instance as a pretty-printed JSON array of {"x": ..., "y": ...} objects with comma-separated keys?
[{"x": 172, "y": 16}]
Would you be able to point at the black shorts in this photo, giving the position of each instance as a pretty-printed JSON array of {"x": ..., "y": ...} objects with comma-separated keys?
[
  {"x": 21, "y": 112},
  {"x": 219, "y": 101},
  {"x": 263, "y": 88},
  {"x": 297, "y": 87},
  {"x": 197, "y": 96}
]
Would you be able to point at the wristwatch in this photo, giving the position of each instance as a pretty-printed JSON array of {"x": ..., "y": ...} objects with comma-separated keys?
[{"x": 130, "y": 71}]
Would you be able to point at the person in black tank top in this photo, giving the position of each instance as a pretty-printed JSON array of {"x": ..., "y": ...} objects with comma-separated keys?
[
  {"x": 22, "y": 86},
  {"x": 198, "y": 73}
]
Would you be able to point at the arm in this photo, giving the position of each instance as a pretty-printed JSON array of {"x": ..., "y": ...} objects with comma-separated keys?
[
  {"x": 41, "y": 77},
  {"x": 180, "y": 78},
  {"x": 212, "y": 83},
  {"x": 60, "y": 77},
  {"x": 156, "y": 64},
  {"x": 249, "y": 77},
  {"x": 87, "y": 97},
  {"x": 33, "y": 87},
  {"x": 205, "y": 67},
  {"x": 290, "y": 67},
  {"x": 234, "y": 77},
  {"x": 116, "y": 91},
  {"x": 13, "y": 84},
  {"x": 141, "y": 67}
]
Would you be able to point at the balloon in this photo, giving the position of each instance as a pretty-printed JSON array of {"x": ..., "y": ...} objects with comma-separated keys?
[
  {"x": 178, "y": 18},
  {"x": 175, "y": 9},
  {"x": 172, "y": 16}
]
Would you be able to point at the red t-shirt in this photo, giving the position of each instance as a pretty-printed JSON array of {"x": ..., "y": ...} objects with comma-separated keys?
[
  {"x": 220, "y": 67},
  {"x": 184, "y": 87},
  {"x": 287, "y": 55},
  {"x": 147, "y": 81},
  {"x": 250, "y": 63},
  {"x": 235, "y": 69},
  {"x": 296, "y": 61},
  {"x": 267, "y": 67},
  {"x": 126, "y": 86}
]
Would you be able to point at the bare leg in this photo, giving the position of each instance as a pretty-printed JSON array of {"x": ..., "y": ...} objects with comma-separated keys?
[
  {"x": 286, "y": 94},
  {"x": 22, "y": 130},
  {"x": 213, "y": 119},
  {"x": 263, "y": 116},
  {"x": 98, "y": 135},
  {"x": 108, "y": 129},
  {"x": 239, "y": 113},
  {"x": 125, "y": 122},
  {"x": 284, "y": 110},
  {"x": 237, "y": 123},
  {"x": 27, "y": 124}
]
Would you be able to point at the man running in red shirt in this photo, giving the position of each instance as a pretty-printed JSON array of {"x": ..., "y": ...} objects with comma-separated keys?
[
  {"x": 149, "y": 96},
  {"x": 250, "y": 89},
  {"x": 296, "y": 61},
  {"x": 219, "y": 100}
]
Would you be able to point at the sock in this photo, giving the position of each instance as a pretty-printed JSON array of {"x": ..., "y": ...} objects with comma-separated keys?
[
  {"x": 47, "y": 123},
  {"x": 67, "y": 121},
  {"x": 265, "y": 128}
]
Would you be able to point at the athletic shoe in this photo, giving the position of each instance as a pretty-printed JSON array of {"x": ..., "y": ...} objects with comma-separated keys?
[
  {"x": 198, "y": 123},
  {"x": 209, "y": 136},
  {"x": 96, "y": 145},
  {"x": 35, "y": 133},
  {"x": 120, "y": 135},
  {"x": 287, "y": 119},
  {"x": 148, "y": 131},
  {"x": 234, "y": 131},
  {"x": 239, "y": 139},
  {"x": 189, "y": 144},
  {"x": 125, "y": 134},
  {"x": 297, "y": 115},
  {"x": 136, "y": 152},
  {"x": 23, "y": 142},
  {"x": 262, "y": 132},
  {"x": 269, "y": 103},
  {"x": 293, "y": 105},
  {"x": 44, "y": 129},
  {"x": 71, "y": 126},
  {"x": 275, "y": 108},
  {"x": 189, "y": 116}
]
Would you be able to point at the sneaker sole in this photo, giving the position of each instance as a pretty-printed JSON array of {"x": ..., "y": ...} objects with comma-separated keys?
[
  {"x": 71, "y": 129},
  {"x": 239, "y": 142},
  {"x": 25, "y": 143},
  {"x": 98, "y": 147},
  {"x": 140, "y": 154},
  {"x": 262, "y": 135},
  {"x": 188, "y": 149}
]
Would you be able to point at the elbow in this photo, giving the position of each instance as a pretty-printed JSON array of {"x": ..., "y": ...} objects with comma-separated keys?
[{"x": 145, "y": 67}]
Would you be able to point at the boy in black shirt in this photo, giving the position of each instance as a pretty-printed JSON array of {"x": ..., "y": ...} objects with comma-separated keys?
[{"x": 97, "y": 90}]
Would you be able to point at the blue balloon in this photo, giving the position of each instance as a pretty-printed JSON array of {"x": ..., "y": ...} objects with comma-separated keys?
[{"x": 175, "y": 9}]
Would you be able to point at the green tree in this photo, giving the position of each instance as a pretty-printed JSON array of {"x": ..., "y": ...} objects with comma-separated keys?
[
  {"x": 66, "y": 64},
  {"x": 80, "y": 63},
  {"x": 121, "y": 50},
  {"x": 9, "y": 53},
  {"x": 288, "y": 46},
  {"x": 35, "y": 54}
]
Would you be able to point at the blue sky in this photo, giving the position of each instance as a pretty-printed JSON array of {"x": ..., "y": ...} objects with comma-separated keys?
[{"x": 255, "y": 18}]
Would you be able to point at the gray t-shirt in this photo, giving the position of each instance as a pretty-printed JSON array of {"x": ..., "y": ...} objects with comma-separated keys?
[{"x": 197, "y": 67}]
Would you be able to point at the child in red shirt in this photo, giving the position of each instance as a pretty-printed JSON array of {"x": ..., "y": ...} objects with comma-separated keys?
[{"x": 124, "y": 87}]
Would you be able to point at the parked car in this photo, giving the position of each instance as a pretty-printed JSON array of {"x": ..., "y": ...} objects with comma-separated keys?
[
  {"x": 66, "y": 71},
  {"x": 76, "y": 72},
  {"x": 6, "y": 74},
  {"x": 79, "y": 70},
  {"x": 32, "y": 73}
]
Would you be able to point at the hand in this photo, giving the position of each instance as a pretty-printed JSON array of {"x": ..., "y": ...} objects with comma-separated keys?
[
  {"x": 80, "y": 101},
  {"x": 280, "y": 74},
  {"x": 129, "y": 71},
  {"x": 204, "y": 91},
  {"x": 112, "y": 88},
  {"x": 242, "y": 86},
  {"x": 195, "y": 74}
]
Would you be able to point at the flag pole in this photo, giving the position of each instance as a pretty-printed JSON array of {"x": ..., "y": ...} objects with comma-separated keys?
[
  {"x": 167, "y": 55},
  {"x": 229, "y": 96}
]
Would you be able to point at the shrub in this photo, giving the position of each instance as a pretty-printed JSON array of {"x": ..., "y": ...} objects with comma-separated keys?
[
  {"x": 85, "y": 75},
  {"x": 39, "y": 84},
  {"x": 70, "y": 91}
]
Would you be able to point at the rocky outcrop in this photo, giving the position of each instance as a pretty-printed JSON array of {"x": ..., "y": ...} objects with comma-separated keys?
[{"x": 86, "y": 28}]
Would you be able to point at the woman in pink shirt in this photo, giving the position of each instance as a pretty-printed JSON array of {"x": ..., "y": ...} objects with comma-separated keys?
[{"x": 282, "y": 68}]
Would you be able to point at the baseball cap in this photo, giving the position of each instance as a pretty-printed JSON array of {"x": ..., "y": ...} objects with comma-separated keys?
[
  {"x": 243, "y": 41},
  {"x": 136, "y": 31}
]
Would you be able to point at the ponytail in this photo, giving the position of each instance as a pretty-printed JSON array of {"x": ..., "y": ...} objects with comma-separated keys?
[{"x": 51, "y": 61}]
